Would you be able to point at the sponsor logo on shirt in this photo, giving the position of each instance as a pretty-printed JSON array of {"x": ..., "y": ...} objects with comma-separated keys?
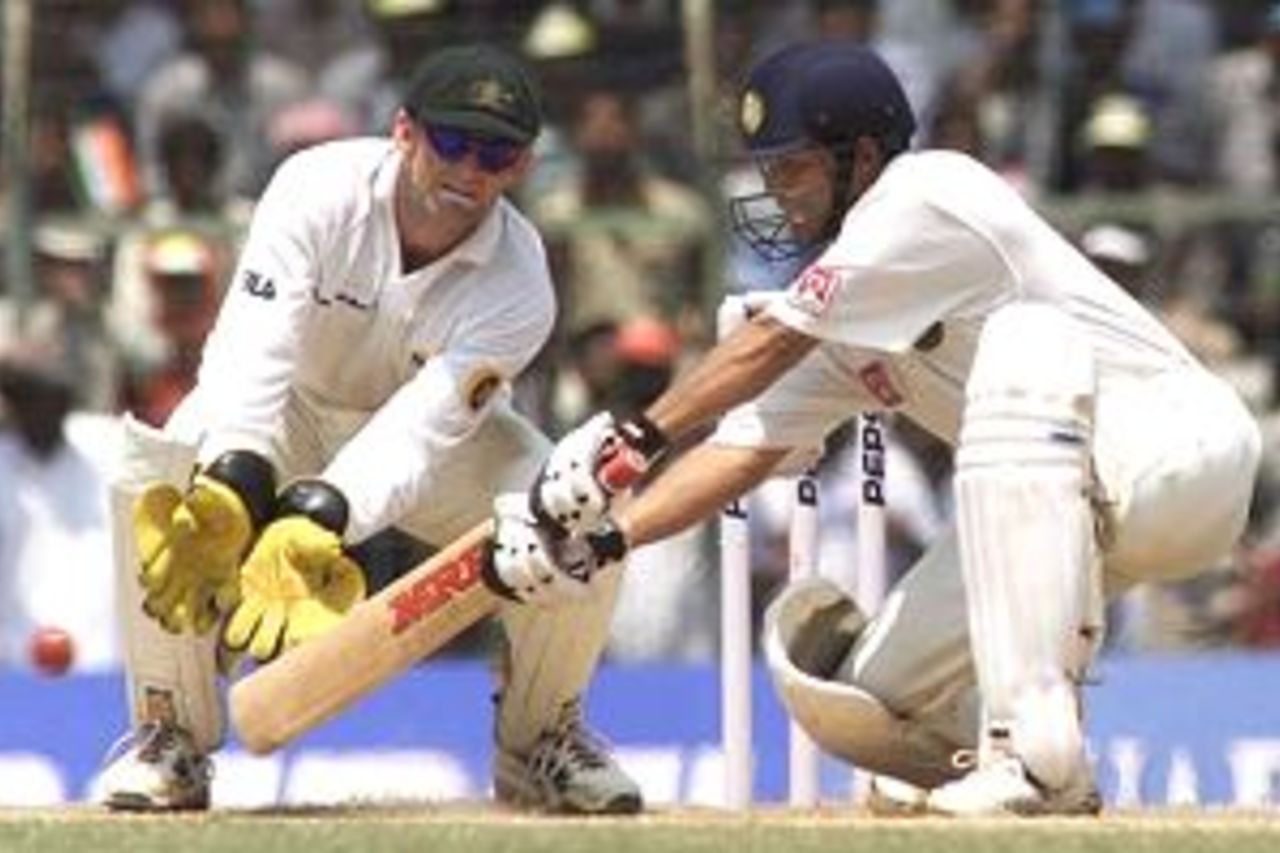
[
  {"x": 876, "y": 379},
  {"x": 480, "y": 388},
  {"x": 339, "y": 299},
  {"x": 813, "y": 291},
  {"x": 259, "y": 285}
]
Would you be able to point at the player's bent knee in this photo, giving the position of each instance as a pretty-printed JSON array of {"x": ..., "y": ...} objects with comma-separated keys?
[
  {"x": 1032, "y": 348},
  {"x": 808, "y": 631},
  {"x": 1030, "y": 395}
]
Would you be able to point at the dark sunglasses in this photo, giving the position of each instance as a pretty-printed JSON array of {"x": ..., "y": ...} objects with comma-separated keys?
[{"x": 493, "y": 155}]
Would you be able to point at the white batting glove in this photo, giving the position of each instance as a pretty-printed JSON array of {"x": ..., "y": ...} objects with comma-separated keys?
[
  {"x": 567, "y": 497},
  {"x": 591, "y": 464},
  {"x": 525, "y": 564}
]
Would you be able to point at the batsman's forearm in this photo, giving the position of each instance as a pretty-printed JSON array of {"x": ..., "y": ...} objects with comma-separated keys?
[
  {"x": 694, "y": 488},
  {"x": 735, "y": 371}
]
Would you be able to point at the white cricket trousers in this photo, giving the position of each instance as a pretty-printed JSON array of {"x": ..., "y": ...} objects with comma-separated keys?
[{"x": 1175, "y": 456}]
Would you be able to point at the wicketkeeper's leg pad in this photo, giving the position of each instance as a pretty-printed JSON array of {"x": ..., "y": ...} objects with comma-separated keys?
[
  {"x": 169, "y": 678},
  {"x": 808, "y": 632}
]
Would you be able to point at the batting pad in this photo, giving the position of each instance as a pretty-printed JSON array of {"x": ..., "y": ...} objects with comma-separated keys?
[
  {"x": 808, "y": 631},
  {"x": 170, "y": 678},
  {"x": 551, "y": 656},
  {"x": 1027, "y": 547}
]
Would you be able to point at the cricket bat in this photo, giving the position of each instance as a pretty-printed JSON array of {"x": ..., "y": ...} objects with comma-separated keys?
[
  {"x": 379, "y": 639},
  {"x": 382, "y": 636}
]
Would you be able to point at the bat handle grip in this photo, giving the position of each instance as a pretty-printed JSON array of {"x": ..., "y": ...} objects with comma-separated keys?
[{"x": 620, "y": 466}]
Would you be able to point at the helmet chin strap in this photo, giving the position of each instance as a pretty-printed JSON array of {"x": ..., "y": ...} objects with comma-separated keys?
[{"x": 842, "y": 194}]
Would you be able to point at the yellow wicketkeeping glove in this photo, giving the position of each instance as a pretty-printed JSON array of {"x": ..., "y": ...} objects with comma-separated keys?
[
  {"x": 297, "y": 581},
  {"x": 190, "y": 543}
]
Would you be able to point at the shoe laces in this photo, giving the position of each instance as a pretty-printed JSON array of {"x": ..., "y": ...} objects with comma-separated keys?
[
  {"x": 152, "y": 740},
  {"x": 155, "y": 740},
  {"x": 149, "y": 739},
  {"x": 996, "y": 752},
  {"x": 570, "y": 738},
  {"x": 964, "y": 759},
  {"x": 123, "y": 744}
]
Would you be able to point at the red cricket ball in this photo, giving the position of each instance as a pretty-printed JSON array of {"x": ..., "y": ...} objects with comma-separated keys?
[{"x": 52, "y": 650}]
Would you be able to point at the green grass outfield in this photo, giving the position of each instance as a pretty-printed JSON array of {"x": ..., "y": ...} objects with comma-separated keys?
[{"x": 480, "y": 829}]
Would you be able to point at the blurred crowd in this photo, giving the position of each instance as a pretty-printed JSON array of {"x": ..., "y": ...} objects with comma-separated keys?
[{"x": 1148, "y": 130}]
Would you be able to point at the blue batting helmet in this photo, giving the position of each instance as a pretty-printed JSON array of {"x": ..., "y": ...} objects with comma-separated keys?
[{"x": 825, "y": 93}]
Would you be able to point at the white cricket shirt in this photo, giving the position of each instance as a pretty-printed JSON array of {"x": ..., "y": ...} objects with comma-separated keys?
[
  {"x": 935, "y": 245},
  {"x": 320, "y": 306}
]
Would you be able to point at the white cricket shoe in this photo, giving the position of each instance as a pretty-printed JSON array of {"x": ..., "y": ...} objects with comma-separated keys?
[
  {"x": 1002, "y": 786},
  {"x": 156, "y": 768},
  {"x": 888, "y": 796},
  {"x": 568, "y": 771}
]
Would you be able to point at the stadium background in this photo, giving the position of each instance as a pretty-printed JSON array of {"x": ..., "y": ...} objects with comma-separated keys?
[{"x": 1146, "y": 129}]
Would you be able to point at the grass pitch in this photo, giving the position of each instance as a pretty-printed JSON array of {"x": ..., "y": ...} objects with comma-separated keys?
[{"x": 483, "y": 829}]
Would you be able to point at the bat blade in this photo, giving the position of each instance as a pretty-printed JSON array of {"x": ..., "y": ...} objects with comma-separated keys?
[{"x": 381, "y": 638}]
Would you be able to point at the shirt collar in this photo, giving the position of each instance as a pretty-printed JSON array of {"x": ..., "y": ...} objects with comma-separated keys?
[{"x": 481, "y": 245}]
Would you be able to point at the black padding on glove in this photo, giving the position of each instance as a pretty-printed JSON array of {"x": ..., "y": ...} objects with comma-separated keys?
[
  {"x": 252, "y": 478},
  {"x": 490, "y": 577},
  {"x": 319, "y": 501}
]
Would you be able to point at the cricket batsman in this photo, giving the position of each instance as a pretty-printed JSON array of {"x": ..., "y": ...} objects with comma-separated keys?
[
  {"x": 357, "y": 377},
  {"x": 1092, "y": 452}
]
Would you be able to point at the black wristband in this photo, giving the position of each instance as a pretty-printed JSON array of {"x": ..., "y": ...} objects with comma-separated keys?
[
  {"x": 317, "y": 500},
  {"x": 251, "y": 476},
  {"x": 607, "y": 542},
  {"x": 643, "y": 434}
]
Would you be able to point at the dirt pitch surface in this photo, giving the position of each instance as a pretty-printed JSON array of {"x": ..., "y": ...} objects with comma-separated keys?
[{"x": 482, "y": 828}]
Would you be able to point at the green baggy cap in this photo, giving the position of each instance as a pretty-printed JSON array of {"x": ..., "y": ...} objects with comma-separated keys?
[{"x": 479, "y": 88}]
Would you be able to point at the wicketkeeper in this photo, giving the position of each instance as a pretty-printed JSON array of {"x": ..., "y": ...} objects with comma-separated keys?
[
  {"x": 1092, "y": 451},
  {"x": 357, "y": 378}
]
